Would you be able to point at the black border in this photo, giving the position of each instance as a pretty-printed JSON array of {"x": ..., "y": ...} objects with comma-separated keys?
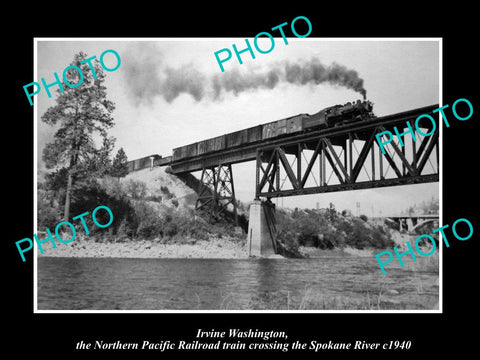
[{"x": 431, "y": 334}]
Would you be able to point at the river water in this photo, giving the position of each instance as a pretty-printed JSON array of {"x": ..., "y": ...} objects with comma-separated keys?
[{"x": 225, "y": 284}]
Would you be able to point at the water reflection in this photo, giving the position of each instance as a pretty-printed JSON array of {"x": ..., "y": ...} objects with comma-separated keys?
[{"x": 266, "y": 273}]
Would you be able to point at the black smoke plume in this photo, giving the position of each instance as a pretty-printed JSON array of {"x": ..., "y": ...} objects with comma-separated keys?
[
  {"x": 147, "y": 77},
  {"x": 314, "y": 72}
]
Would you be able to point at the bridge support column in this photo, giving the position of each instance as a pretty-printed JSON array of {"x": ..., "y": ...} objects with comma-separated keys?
[
  {"x": 409, "y": 223},
  {"x": 261, "y": 237},
  {"x": 216, "y": 192}
]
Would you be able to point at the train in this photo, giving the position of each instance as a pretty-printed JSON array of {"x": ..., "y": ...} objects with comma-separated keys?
[
  {"x": 148, "y": 162},
  {"x": 329, "y": 117}
]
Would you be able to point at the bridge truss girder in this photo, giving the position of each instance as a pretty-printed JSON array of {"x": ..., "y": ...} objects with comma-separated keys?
[
  {"x": 277, "y": 175},
  {"x": 217, "y": 192}
]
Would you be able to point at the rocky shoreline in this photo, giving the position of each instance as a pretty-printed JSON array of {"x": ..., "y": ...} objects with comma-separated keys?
[{"x": 212, "y": 249}]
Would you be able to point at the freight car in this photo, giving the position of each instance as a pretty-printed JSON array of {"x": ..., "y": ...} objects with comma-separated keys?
[
  {"x": 162, "y": 161},
  {"x": 227, "y": 141},
  {"x": 143, "y": 163},
  {"x": 332, "y": 116}
]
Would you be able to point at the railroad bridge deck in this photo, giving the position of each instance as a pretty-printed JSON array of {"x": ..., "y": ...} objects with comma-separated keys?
[{"x": 324, "y": 146}]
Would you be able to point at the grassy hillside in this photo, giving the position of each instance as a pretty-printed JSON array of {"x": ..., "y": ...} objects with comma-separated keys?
[
  {"x": 154, "y": 205},
  {"x": 149, "y": 204},
  {"x": 158, "y": 183}
]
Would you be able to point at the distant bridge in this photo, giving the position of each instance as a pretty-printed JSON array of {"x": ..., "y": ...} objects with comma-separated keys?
[{"x": 412, "y": 222}]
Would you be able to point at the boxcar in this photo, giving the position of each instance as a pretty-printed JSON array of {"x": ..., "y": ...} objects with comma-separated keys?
[
  {"x": 211, "y": 145},
  {"x": 142, "y": 163},
  {"x": 162, "y": 161},
  {"x": 185, "y": 152},
  {"x": 269, "y": 130},
  {"x": 236, "y": 138},
  {"x": 254, "y": 133},
  {"x": 284, "y": 126},
  {"x": 191, "y": 150},
  {"x": 294, "y": 123},
  {"x": 177, "y": 153}
]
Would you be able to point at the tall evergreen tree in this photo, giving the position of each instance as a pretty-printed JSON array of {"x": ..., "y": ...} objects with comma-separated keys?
[
  {"x": 82, "y": 113},
  {"x": 119, "y": 166},
  {"x": 99, "y": 163}
]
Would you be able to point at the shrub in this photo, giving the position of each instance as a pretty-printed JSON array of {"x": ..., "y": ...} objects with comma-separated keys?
[
  {"x": 48, "y": 216},
  {"x": 380, "y": 239},
  {"x": 327, "y": 230},
  {"x": 125, "y": 230},
  {"x": 166, "y": 192},
  {"x": 113, "y": 187},
  {"x": 170, "y": 229},
  {"x": 147, "y": 222},
  {"x": 289, "y": 245},
  {"x": 175, "y": 202},
  {"x": 329, "y": 238},
  {"x": 135, "y": 189},
  {"x": 156, "y": 198},
  {"x": 150, "y": 227},
  {"x": 185, "y": 225},
  {"x": 88, "y": 195},
  {"x": 308, "y": 232}
]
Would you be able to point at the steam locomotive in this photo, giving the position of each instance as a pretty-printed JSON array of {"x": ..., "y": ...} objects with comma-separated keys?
[{"x": 332, "y": 116}]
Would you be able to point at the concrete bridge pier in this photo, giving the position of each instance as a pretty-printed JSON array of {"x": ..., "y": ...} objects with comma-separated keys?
[{"x": 261, "y": 237}]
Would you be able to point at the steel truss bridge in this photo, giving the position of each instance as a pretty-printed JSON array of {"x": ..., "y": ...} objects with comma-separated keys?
[{"x": 340, "y": 158}]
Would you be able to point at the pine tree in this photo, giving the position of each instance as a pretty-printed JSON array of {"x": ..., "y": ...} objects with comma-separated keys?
[
  {"x": 82, "y": 113},
  {"x": 119, "y": 166},
  {"x": 99, "y": 162}
]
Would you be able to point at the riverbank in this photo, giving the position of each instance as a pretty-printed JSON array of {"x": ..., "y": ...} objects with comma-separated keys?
[
  {"x": 215, "y": 248},
  {"x": 225, "y": 247}
]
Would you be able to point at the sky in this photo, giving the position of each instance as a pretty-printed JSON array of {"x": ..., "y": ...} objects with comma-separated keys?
[{"x": 171, "y": 92}]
